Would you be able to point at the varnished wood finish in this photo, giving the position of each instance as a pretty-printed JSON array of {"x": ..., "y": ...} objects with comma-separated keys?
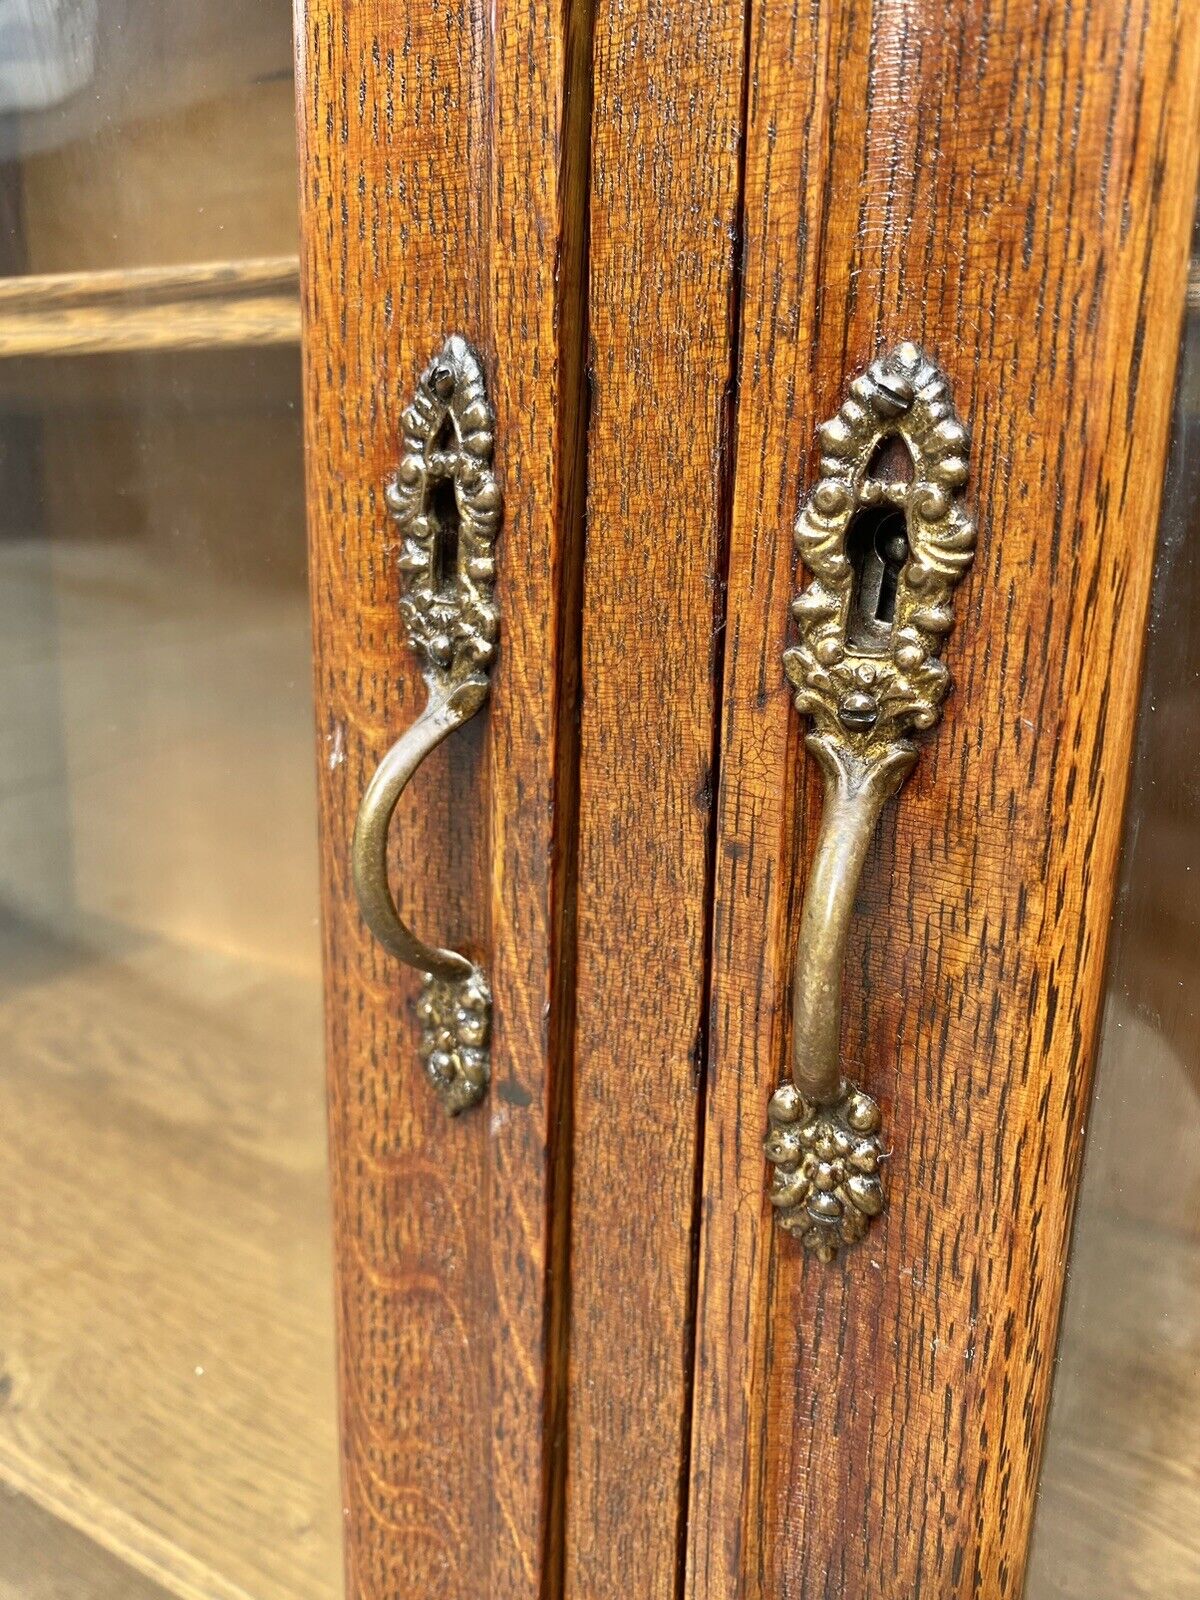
[
  {"x": 194, "y": 280},
  {"x": 1012, "y": 187},
  {"x": 663, "y": 215},
  {"x": 442, "y": 193},
  {"x": 1119, "y": 1492},
  {"x": 196, "y": 306}
]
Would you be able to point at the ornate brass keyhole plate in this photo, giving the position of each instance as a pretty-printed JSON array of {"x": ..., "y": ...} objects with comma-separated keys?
[
  {"x": 886, "y": 540},
  {"x": 445, "y": 502}
]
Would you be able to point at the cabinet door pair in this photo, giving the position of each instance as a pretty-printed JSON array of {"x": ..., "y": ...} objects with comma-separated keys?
[{"x": 582, "y": 1351}]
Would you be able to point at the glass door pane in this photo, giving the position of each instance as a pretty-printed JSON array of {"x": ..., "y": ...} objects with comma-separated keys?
[
  {"x": 1119, "y": 1506},
  {"x": 167, "y": 1397}
]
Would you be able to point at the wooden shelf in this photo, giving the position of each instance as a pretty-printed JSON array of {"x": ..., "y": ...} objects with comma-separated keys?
[
  {"x": 79, "y": 1566},
  {"x": 168, "y": 1344},
  {"x": 1119, "y": 1502},
  {"x": 202, "y": 305},
  {"x": 167, "y": 1390}
]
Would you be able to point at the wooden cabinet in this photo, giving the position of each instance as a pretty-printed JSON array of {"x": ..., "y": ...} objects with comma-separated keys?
[{"x": 578, "y": 1355}]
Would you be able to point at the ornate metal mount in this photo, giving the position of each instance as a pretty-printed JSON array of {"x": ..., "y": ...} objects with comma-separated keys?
[
  {"x": 445, "y": 502},
  {"x": 886, "y": 541}
]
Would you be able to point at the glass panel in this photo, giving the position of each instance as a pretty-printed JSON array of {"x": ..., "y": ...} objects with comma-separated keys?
[
  {"x": 1119, "y": 1509},
  {"x": 167, "y": 1395}
]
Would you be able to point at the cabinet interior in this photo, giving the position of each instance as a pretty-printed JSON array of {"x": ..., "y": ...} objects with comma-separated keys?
[{"x": 167, "y": 1406}]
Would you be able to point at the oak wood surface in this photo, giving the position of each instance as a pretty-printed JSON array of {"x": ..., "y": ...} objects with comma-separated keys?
[
  {"x": 166, "y": 1350},
  {"x": 1011, "y": 186},
  {"x": 191, "y": 280},
  {"x": 44, "y": 1560},
  {"x": 1118, "y": 1511},
  {"x": 663, "y": 222},
  {"x": 442, "y": 192},
  {"x": 197, "y": 305}
]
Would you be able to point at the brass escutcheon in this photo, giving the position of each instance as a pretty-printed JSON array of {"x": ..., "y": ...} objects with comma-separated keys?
[
  {"x": 445, "y": 502},
  {"x": 886, "y": 541}
]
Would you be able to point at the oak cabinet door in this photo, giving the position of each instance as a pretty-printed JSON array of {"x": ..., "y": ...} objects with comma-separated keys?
[
  {"x": 1120, "y": 1476},
  {"x": 440, "y": 157},
  {"x": 1011, "y": 188}
]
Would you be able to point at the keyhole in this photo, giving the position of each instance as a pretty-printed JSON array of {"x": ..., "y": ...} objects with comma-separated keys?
[
  {"x": 891, "y": 548},
  {"x": 445, "y": 437},
  {"x": 877, "y": 545},
  {"x": 443, "y": 509}
]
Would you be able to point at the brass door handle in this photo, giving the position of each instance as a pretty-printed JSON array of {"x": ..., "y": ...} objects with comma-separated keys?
[
  {"x": 445, "y": 502},
  {"x": 886, "y": 542}
]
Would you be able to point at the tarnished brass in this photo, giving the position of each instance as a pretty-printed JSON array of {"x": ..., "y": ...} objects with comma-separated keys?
[
  {"x": 886, "y": 541},
  {"x": 445, "y": 502}
]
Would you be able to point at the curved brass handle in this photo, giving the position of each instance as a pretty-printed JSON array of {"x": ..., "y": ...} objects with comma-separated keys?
[
  {"x": 886, "y": 544},
  {"x": 442, "y": 714},
  {"x": 446, "y": 504},
  {"x": 855, "y": 794}
]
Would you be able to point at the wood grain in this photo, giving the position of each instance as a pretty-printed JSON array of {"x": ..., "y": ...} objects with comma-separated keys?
[
  {"x": 1012, "y": 186},
  {"x": 1118, "y": 1510},
  {"x": 194, "y": 306},
  {"x": 166, "y": 1349},
  {"x": 664, "y": 198},
  {"x": 1119, "y": 1493},
  {"x": 191, "y": 280},
  {"x": 442, "y": 158},
  {"x": 41, "y": 1559}
]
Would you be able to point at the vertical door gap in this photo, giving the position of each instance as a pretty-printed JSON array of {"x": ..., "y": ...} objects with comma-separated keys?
[
  {"x": 725, "y": 489},
  {"x": 574, "y": 407}
]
